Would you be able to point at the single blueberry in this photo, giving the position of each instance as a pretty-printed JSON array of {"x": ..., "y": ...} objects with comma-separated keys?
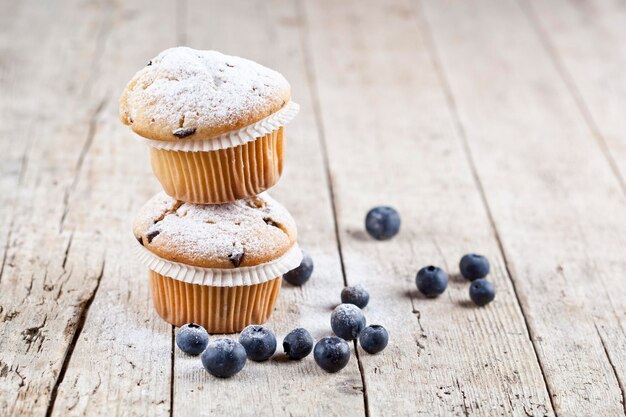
[
  {"x": 356, "y": 295},
  {"x": 223, "y": 358},
  {"x": 298, "y": 344},
  {"x": 382, "y": 223},
  {"x": 432, "y": 281},
  {"x": 482, "y": 292},
  {"x": 259, "y": 342},
  {"x": 347, "y": 321},
  {"x": 374, "y": 338},
  {"x": 192, "y": 339},
  {"x": 302, "y": 273},
  {"x": 474, "y": 266},
  {"x": 332, "y": 354}
]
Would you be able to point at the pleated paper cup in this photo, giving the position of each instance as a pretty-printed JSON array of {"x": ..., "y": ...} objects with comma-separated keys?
[
  {"x": 223, "y": 169},
  {"x": 220, "y": 300},
  {"x": 217, "y": 309}
]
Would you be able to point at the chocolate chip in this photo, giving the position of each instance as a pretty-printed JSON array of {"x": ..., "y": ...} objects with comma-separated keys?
[
  {"x": 271, "y": 222},
  {"x": 152, "y": 234},
  {"x": 140, "y": 240},
  {"x": 230, "y": 65},
  {"x": 149, "y": 63},
  {"x": 236, "y": 257},
  {"x": 183, "y": 132}
]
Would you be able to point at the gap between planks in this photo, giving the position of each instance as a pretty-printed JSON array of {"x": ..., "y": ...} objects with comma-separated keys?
[
  {"x": 571, "y": 87},
  {"x": 613, "y": 367},
  {"x": 80, "y": 324},
  {"x": 310, "y": 77},
  {"x": 101, "y": 40},
  {"x": 424, "y": 27},
  {"x": 583, "y": 107}
]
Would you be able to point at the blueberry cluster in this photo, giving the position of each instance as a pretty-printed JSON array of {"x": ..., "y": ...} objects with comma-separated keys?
[
  {"x": 348, "y": 323},
  {"x": 432, "y": 281},
  {"x": 475, "y": 268},
  {"x": 347, "y": 320},
  {"x": 332, "y": 353},
  {"x": 225, "y": 357},
  {"x": 383, "y": 223}
]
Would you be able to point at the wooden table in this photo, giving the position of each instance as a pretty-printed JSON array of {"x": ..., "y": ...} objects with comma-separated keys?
[{"x": 494, "y": 126}]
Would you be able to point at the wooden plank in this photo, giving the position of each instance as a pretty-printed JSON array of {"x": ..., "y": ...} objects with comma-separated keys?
[
  {"x": 49, "y": 272},
  {"x": 269, "y": 33},
  {"x": 391, "y": 140},
  {"x": 556, "y": 202},
  {"x": 121, "y": 364},
  {"x": 14, "y": 155},
  {"x": 586, "y": 43}
]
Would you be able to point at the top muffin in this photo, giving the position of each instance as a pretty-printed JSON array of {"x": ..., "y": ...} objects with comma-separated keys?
[
  {"x": 192, "y": 94},
  {"x": 244, "y": 233}
]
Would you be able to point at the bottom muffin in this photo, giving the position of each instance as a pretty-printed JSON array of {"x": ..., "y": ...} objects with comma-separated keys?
[
  {"x": 220, "y": 266},
  {"x": 217, "y": 309}
]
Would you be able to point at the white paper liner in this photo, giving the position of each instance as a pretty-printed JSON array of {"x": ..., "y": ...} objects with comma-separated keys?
[
  {"x": 218, "y": 277},
  {"x": 230, "y": 139}
]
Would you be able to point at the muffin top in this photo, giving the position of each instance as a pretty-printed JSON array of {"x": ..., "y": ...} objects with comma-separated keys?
[
  {"x": 247, "y": 232},
  {"x": 189, "y": 94}
]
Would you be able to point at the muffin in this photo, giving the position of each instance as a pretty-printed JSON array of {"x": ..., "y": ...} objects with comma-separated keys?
[
  {"x": 214, "y": 123},
  {"x": 217, "y": 265}
]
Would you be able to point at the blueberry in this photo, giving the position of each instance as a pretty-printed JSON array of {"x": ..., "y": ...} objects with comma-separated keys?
[
  {"x": 347, "y": 321},
  {"x": 298, "y": 344},
  {"x": 332, "y": 354},
  {"x": 482, "y": 292},
  {"x": 474, "y": 266},
  {"x": 374, "y": 338},
  {"x": 192, "y": 339},
  {"x": 431, "y": 281},
  {"x": 302, "y": 273},
  {"x": 224, "y": 358},
  {"x": 382, "y": 223},
  {"x": 356, "y": 295},
  {"x": 259, "y": 342}
]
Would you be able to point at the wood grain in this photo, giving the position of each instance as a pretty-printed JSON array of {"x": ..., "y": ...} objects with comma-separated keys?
[
  {"x": 391, "y": 140},
  {"x": 50, "y": 269},
  {"x": 278, "y": 387},
  {"x": 494, "y": 126},
  {"x": 586, "y": 43},
  {"x": 556, "y": 202},
  {"x": 121, "y": 364}
]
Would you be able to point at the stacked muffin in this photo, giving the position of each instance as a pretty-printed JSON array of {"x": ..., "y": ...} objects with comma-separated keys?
[{"x": 215, "y": 244}]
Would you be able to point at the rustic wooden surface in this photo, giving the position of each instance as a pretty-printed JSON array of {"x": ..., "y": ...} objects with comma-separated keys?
[{"x": 494, "y": 126}]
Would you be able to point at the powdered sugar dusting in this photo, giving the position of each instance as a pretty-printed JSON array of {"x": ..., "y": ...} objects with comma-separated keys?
[
  {"x": 202, "y": 92},
  {"x": 244, "y": 233}
]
